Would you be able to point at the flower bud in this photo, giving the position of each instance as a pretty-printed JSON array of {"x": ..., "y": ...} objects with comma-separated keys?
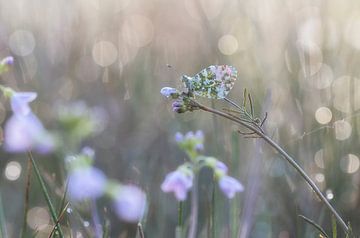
[{"x": 170, "y": 92}]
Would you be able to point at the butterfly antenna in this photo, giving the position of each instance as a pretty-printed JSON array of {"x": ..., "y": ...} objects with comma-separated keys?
[
  {"x": 232, "y": 103},
  {"x": 172, "y": 68}
]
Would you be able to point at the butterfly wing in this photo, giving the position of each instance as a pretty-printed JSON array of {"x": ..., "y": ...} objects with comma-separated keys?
[{"x": 215, "y": 81}]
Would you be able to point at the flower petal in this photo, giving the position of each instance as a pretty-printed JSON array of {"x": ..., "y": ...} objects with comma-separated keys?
[
  {"x": 130, "y": 203},
  {"x": 20, "y": 102},
  {"x": 86, "y": 183}
]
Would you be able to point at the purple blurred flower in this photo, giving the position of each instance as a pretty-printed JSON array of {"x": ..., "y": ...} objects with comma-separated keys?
[
  {"x": 23, "y": 133},
  {"x": 179, "y": 137},
  {"x": 229, "y": 186},
  {"x": 86, "y": 183},
  {"x": 88, "y": 152},
  {"x": 191, "y": 140},
  {"x": 178, "y": 106},
  {"x": 220, "y": 166},
  {"x": 9, "y": 60},
  {"x": 20, "y": 102},
  {"x": 179, "y": 183},
  {"x": 130, "y": 203},
  {"x": 170, "y": 92}
]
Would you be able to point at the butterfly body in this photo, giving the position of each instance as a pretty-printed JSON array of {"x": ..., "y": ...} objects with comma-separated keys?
[{"x": 215, "y": 81}]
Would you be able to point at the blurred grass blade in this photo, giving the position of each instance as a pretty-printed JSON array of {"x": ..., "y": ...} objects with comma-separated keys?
[
  {"x": 63, "y": 200},
  {"x": 179, "y": 227},
  {"x": 212, "y": 210},
  {"x": 46, "y": 194},
  {"x": 106, "y": 231},
  {"x": 334, "y": 228},
  {"x": 27, "y": 196},
  {"x": 140, "y": 230},
  {"x": 3, "y": 231},
  {"x": 60, "y": 217},
  {"x": 316, "y": 226}
]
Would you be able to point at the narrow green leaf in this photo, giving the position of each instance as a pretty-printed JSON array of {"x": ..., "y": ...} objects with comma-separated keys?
[
  {"x": 334, "y": 228},
  {"x": 315, "y": 225},
  {"x": 46, "y": 194}
]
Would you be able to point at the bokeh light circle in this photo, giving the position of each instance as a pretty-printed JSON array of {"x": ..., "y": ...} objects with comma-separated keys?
[
  {"x": 22, "y": 42},
  {"x": 345, "y": 89},
  {"x": 350, "y": 163},
  {"x": 137, "y": 30},
  {"x": 323, "y": 78},
  {"x": 319, "y": 177},
  {"x": 342, "y": 130},
  {"x": 104, "y": 53},
  {"x": 310, "y": 56},
  {"x": 228, "y": 44},
  {"x": 352, "y": 32},
  {"x": 38, "y": 218},
  {"x": 329, "y": 194},
  {"x": 109, "y": 5},
  {"x": 311, "y": 30},
  {"x": 323, "y": 115},
  {"x": 13, "y": 170},
  {"x": 319, "y": 158},
  {"x": 210, "y": 8}
]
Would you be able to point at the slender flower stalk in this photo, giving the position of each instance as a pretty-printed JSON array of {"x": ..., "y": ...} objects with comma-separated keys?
[
  {"x": 180, "y": 217},
  {"x": 194, "y": 207},
  {"x": 285, "y": 155},
  {"x": 96, "y": 219},
  {"x": 27, "y": 196},
  {"x": 3, "y": 231}
]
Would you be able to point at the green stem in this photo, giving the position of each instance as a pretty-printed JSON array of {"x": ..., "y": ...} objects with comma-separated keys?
[
  {"x": 289, "y": 159},
  {"x": 212, "y": 214},
  {"x": 180, "y": 213},
  {"x": 46, "y": 194},
  {"x": 27, "y": 197},
  {"x": 194, "y": 207},
  {"x": 140, "y": 230},
  {"x": 3, "y": 231}
]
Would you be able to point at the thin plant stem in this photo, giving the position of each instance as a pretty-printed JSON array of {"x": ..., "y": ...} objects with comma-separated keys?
[
  {"x": 180, "y": 217},
  {"x": 46, "y": 194},
  {"x": 285, "y": 155},
  {"x": 96, "y": 220},
  {"x": 212, "y": 210},
  {"x": 62, "y": 213},
  {"x": 140, "y": 230},
  {"x": 233, "y": 103},
  {"x": 3, "y": 231},
  {"x": 27, "y": 197},
  {"x": 311, "y": 222},
  {"x": 334, "y": 228},
  {"x": 194, "y": 208}
]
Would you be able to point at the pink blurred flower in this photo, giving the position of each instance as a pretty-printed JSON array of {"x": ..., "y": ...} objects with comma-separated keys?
[
  {"x": 20, "y": 102},
  {"x": 179, "y": 183},
  {"x": 23, "y": 133},
  {"x": 229, "y": 186},
  {"x": 86, "y": 183},
  {"x": 130, "y": 203}
]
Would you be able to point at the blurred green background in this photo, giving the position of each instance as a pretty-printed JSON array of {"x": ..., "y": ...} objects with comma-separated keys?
[{"x": 299, "y": 59}]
